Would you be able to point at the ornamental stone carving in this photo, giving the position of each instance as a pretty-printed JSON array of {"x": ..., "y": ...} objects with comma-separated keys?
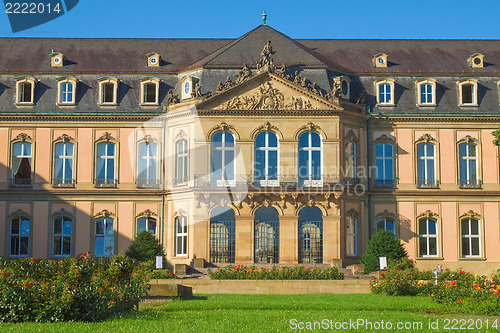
[
  {"x": 106, "y": 137},
  {"x": 65, "y": 138},
  {"x": 147, "y": 213},
  {"x": 426, "y": 138},
  {"x": 427, "y": 214},
  {"x": 23, "y": 137}
]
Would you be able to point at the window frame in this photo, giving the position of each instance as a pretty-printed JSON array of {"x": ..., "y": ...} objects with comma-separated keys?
[
  {"x": 64, "y": 139},
  {"x": 21, "y": 215},
  {"x": 467, "y": 183},
  {"x": 148, "y": 140},
  {"x": 182, "y": 235},
  {"x": 22, "y": 138},
  {"x": 467, "y": 81},
  {"x": 426, "y": 183},
  {"x": 470, "y": 216},
  {"x": 22, "y": 80},
  {"x": 264, "y": 180},
  {"x": 63, "y": 80},
  {"x": 106, "y": 138},
  {"x": 181, "y": 175},
  {"x": 108, "y": 80},
  {"x": 383, "y": 183},
  {"x": 223, "y": 182},
  {"x": 428, "y": 217},
  {"x": 419, "y": 84},
  {"x": 62, "y": 234},
  {"x": 310, "y": 181},
  {"x": 391, "y": 83},
  {"x": 150, "y": 80}
]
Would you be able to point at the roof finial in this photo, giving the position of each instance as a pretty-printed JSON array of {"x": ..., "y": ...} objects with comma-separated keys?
[{"x": 264, "y": 17}]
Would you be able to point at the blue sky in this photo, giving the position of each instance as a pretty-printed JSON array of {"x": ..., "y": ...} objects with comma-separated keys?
[{"x": 423, "y": 19}]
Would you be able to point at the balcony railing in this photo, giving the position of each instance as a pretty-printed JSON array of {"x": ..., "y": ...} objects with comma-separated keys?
[
  {"x": 63, "y": 182},
  {"x": 148, "y": 183},
  {"x": 20, "y": 182},
  {"x": 385, "y": 183},
  {"x": 180, "y": 181},
  {"x": 352, "y": 181},
  {"x": 288, "y": 181},
  {"x": 427, "y": 183},
  {"x": 470, "y": 183},
  {"x": 105, "y": 182}
]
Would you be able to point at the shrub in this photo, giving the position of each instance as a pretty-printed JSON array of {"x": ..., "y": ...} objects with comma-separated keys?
[
  {"x": 154, "y": 273},
  {"x": 242, "y": 272},
  {"x": 82, "y": 288},
  {"x": 144, "y": 247},
  {"x": 382, "y": 244}
]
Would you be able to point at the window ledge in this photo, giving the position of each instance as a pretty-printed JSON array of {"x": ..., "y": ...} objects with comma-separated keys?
[
  {"x": 385, "y": 105},
  {"x": 429, "y": 258},
  {"x": 149, "y": 104},
  {"x": 25, "y": 103},
  {"x": 108, "y": 104},
  {"x": 426, "y": 105},
  {"x": 66, "y": 104},
  {"x": 472, "y": 259},
  {"x": 467, "y": 105}
]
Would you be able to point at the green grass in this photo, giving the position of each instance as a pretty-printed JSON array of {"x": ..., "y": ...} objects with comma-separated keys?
[{"x": 260, "y": 313}]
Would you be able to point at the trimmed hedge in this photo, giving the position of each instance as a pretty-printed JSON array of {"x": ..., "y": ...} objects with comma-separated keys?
[
  {"x": 80, "y": 288},
  {"x": 242, "y": 272},
  {"x": 382, "y": 244}
]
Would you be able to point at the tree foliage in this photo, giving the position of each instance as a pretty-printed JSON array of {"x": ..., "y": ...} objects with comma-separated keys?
[
  {"x": 382, "y": 244},
  {"x": 145, "y": 247}
]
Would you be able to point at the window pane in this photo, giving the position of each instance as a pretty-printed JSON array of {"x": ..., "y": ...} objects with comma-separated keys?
[
  {"x": 109, "y": 245},
  {"x": 14, "y": 245},
  {"x": 433, "y": 246},
  {"x": 109, "y": 226},
  {"x": 303, "y": 163},
  {"x": 14, "y": 229},
  {"x": 389, "y": 150},
  {"x": 58, "y": 226},
  {"x": 422, "y": 245},
  {"x": 260, "y": 163},
  {"x": 474, "y": 227},
  {"x": 99, "y": 226},
  {"x": 229, "y": 139},
  {"x": 389, "y": 169},
  {"x": 111, "y": 169},
  {"x": 25, "y": 227},
  {"x": 430, "y": 170},
  {"x": 141, "y": 225},
  {"x": 229, "y": 167},
  {"x": 57, "y": 245},
  {"x": 111, "y": 149},
  {"x": 475, "y": 246},
  {"x": 467, "y": 93},
  {"x": 315, "y": 139},
  {"x": 465, "y": 227},
  {"x": 421, "y": 169},
  {"x": 99, "y": 246},
  {"x": 67, "y": 227},
  {"x": 304, "y": 140},
  {"x": 379, "y": 165},
  {"x": 66, "y": 246},
  {"x": 422, "y": 226},
  {"x": 152, "y": 225},
  {"x": 68, "y": 169},
  {"x": 432, "y": 228},
  {"x": 316, "y": 164},
  {"x": 260, "y": 140},
  {"x": 23, "y": 249},
  {"x": 273, "y": 163},
  {"x": 272, "y": 139}
]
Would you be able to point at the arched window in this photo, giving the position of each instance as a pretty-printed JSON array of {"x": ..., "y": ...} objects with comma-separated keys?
[
  {"x": 104, "y": 236},
  {"x": 426, "y": 165},
  {"x": 223, "y": 153},
  {"x": 266, "y": 159},
  {"x": 351, "y": 157},
  {"x": 471, "y": 237},
  {"x": 148, "y": 165},
  {"x": 108, "y": 88},
  {"x": 384, "y": 163},
  {"x": 19, "y": 236},
  {"x": 468, "y": 164},
  {"x": 62, "y": 236},
  {"x": 181, "y": 235},
  {"x": 106, "y": 164},
  {"x": 67, "y": 88},
  {"x": 310, "y": 159},
  {"x": 146, "y": 223},
  {"x": 63, "y": 164},
  {"x": 21, "y": 164},
  {"x": 385, "y": 92},
  {"x": 222, "y": 235},
  {"x": 149, "y": 90},
  {"x": 266, "y": 235},
  {"x": 181, "y": 162},
  {"x": 310, "y": 235},
  {"x": 428, "y": 237},
  {"x": 351, "y": 235},
  {"x": 386, "y": 223}
]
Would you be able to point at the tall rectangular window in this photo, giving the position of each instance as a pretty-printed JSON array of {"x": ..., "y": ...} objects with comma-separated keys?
[
  {"x": 384, "y": 164},
  {"x": 351, "y": 236},
  {"x": 19, "y": 236},
  {"x": 21, "y": 164},
  {"x": 181, "y": 233},
  {"x": 351, "y": 160},
  {"x": 24, "y": 94},
  {"x": 148, "y": 165},
  {"x": 426, "y": 165},
  {"x": 471, "y": 238},
  {"x": 310, "y": 159},
  {"x": 385, "y": 93},
  {"x": 67, "y": 92},
  {"x": 468, "y": 165},
  {"x": 62, "y": 235},
  {"x": 266, "y": 159},
  {"x": 223, "y": 155},
  {"x": 427, "y": 238},
  {"x": 181, "y": 162},
  {"x": 106, "y": 163},
  {"x": 104, "y": 237},
  {"x": 63, "y": 164},
  {"x": 426, "y": 93}
]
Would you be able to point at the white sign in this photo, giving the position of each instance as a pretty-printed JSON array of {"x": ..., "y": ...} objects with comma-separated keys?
[
  {"x": 159, "y": 262},
  {"x": 383, "y": 263}
]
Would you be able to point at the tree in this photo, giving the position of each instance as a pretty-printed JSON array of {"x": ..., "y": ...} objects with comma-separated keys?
[
  {"x": 145, "y": 247},
  {"x": 382, "y": 244}
]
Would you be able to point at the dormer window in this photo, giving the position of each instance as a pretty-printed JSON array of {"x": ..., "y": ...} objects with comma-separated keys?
[
  {"x": 385, "y": 92},
  {"x": 476, "y": 60},
  {"x": 153, "y": 59},
  {"x": 426, "y": 92},
  {"x": 56, "y": 59},
  {"x": 25, "y": 90},
  {"x": 345, "y": 87},
  {"x": 467, "y": 91},
  {"x": 66, "y": 90},
  {"x": 187, "y": 84},
  {"x": 380, "y": 60},
  {"x": 149, "y": 90},
  {"x": 108, "y": 87}
]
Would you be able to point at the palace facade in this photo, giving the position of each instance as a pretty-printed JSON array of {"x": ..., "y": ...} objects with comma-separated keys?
[{"x": 261, "y": 149}]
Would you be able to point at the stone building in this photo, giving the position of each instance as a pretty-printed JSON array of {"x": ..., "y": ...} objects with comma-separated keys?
[{"x": 261, "y": 149}]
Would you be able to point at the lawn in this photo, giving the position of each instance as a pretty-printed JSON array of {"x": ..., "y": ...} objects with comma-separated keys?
[{"x": 268, "y": 313}]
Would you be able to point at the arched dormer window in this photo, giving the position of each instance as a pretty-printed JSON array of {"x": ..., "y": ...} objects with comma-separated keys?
[
  {"x": 150, "y": 88},
  {"x": 25, "y": 90},
  {"x": 467, "y": 92},
  {"x": 426, "y": 92},
  {"x": 66, "y": 87},
  {"x": 384, "y": 89},
  {"x": 108, "y": 89}
]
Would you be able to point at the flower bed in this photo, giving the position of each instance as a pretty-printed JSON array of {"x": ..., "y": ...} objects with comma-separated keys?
[
  {"x": 242, "y": 272},
  {"x": 82, "y": 288},
  {"x": 472, "y": 294}
]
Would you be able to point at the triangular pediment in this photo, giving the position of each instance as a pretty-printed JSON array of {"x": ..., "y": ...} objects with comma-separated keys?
[{"x": 267, "y": 91}]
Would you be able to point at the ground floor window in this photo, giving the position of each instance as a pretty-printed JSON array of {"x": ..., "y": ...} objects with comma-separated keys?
[
  {"x": 310, "y": 235},
  {"x": 63, "y": 227},
  {"x": 104, "y": 237},
  {"x": 266, "y": 235},
  {"x": 427, "y": 241},
  {"x": 181, "y": 233},
  {"x": 471, "y": 239},
  {"x": 222, "y": 235},
  {"x": 19, "y": 236}
]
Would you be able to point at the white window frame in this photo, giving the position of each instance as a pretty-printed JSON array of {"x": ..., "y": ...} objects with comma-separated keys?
[
  {"x": 461, "y": 84},
  {"x": 351, "y": 236},
  {"x": 62, "y": 235},
  {"x": 181, "y": 237},
  {"x": 469, "y": 237},
  {"x": 426, "y": 158},
  {"x": 428, "y": 236},
  {"x": 60, "y": 92},
  {"x": 226, "y": 182},
  {"x": 391, "y": 84},
  {"x": 19, "y": 82},
  {"x": 64, "y": 157},
  {"x": 181, "y": 162},
  {"x": 385, "y": 158},
  {"x": 105, "y": 157},
  {"x": 420, "y": 84},
  {"x": 266, "y": 149},
  {"x": 108, "y": 80},
  {"x": 148, "y": 157},
  {"x": 310, "y": 182},
  {"x": 144, "y": 82}
]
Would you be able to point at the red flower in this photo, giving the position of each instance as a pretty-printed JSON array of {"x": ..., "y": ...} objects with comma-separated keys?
[
  {"x": 4, "y": 274},
  {"x": 385, "y": 267},
  {"x": 496, "y": 292},
  {"x": 382, "y": 274},
  {"x": 398, "y": 269},
  {"x": 458, "y": 301},
  {"x": 286, "y": 273},
  {"x": 27, "y": 284},
  {"x": 461, "y": 272},
  {"x": 34, "y": 259},
  {"x": 173, "y": 274}
]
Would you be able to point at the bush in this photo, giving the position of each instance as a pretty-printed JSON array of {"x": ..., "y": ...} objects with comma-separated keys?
[
  {"x": 154, "y": 273},
  {"x": 242, "y": 272},
  {"x": 144, "y": 247},
  {"x": 382, "y": 244},
  {"x": 82, "y": 288}
]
